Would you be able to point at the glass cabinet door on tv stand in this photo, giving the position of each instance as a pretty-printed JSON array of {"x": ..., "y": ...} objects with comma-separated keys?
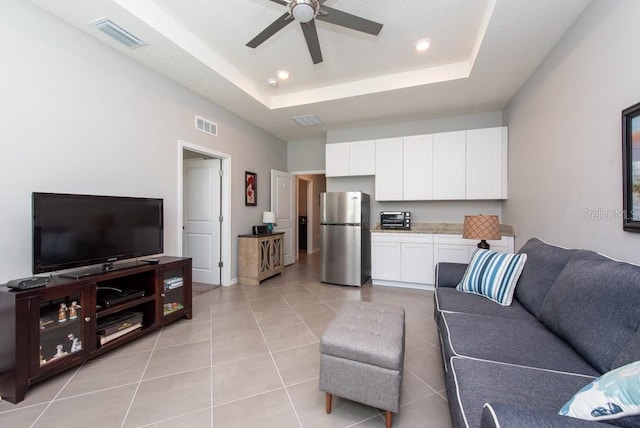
[
  {"x": 63, "y": 324},
  {"x": 175, "y": 295}
]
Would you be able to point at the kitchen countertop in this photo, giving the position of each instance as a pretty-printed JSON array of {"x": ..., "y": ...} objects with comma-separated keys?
[{"x": 442, "y": 229}]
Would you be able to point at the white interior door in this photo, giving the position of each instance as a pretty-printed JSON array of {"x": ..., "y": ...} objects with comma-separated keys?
[
  {"x": 201, "y": 218},
  {"x": 282, "y": 204}
]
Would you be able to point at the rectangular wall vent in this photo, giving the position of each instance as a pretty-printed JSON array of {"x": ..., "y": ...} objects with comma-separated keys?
[
  {"x": 307, "y": 120},
  {"x": 207, "y": 126},
  {"x": 118, "y": 33}
]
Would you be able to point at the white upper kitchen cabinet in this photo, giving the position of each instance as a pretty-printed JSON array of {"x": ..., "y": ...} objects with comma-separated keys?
[
  {"x": 449, "y": 165},
  {"x": 486, "y": 174},
  {"x": 336, "y": 160},
  {"x": 417, "y": 179},
  {"x": 389, "y": 165},
  {"x": 346, "y": 159},
  {"x": 362, "y": 157}
]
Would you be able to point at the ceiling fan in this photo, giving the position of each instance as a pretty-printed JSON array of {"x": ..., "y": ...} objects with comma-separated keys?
[{"x": 306, "y": 12}]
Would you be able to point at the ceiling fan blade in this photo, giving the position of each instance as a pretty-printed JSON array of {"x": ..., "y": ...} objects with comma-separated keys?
[
  {"x": 348, "y": 20},
  {"x": 272, "y": 29},
  {"x": 282, "y": 2},
  {"x": 311, "y": 36}
]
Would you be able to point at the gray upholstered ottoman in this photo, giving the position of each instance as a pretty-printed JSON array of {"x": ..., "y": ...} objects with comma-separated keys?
[{"x": 362, "y": 356}]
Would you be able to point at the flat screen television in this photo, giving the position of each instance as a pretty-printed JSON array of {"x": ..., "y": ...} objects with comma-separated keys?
[{"x": 72, "y": 231}]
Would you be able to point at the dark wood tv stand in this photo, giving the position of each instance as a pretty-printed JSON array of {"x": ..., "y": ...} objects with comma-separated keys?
[{"x": 46, "y": 330}]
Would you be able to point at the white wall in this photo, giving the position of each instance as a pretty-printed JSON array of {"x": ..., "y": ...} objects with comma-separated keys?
[
  {"x": 421, "y": 211},
  {"x": 78, "y": 117},
  {"x": 305, "y": 156},
  {"x": 565, "y": 150}
]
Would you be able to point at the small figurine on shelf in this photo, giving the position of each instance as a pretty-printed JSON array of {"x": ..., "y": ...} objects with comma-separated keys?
[
  {"x": 62, "y": 313},
  {"x": 73, "y": 310},
  {"x": 42, "y": 360},
  {"x": 76, "y": 344},
  {"x": 59, "y": 352}
]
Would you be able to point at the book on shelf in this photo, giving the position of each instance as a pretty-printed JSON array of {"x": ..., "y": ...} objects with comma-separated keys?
[
  {"x": 173, "y": 282},
  {"x": 108, "y": 338}
]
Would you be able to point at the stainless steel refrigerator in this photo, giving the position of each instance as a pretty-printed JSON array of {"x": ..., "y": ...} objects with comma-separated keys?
[{"x": 345, "y": 239}]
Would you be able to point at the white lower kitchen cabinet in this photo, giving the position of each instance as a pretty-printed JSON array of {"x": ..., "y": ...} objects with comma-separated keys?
[
  {"x": 417, "y": 262},
  {"x": 385, "y": 258},
  {"x": 402, "y": 260},
  {"x": 408, "y": 260}
]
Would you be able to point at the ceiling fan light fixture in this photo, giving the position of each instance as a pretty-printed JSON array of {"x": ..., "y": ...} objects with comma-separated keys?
[
  {"x": 304, "y": 10},
  {"x": 423, "y": 45},
  {"x": 283, "y": 74}
]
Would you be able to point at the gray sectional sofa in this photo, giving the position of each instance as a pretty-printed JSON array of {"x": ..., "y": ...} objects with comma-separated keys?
[{"x": 575, "y": 315}]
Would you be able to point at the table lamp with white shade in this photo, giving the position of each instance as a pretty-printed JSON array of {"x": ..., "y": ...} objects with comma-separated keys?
[{"x": 269, "y": 218}]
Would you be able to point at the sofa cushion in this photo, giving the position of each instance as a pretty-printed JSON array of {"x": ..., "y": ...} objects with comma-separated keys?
[
  {"x": 593, "y": 305},
  {"x": 476, "y": 382},
  {"x": 498, "y": 415},
  {"x": 449, "y": 274},
  {"x": 512, "y": 341},
  {"x": 452, "y": 300},
  {"x": 493, "y": 275},
  {"x": 613, "y": 395},
  {"x": 544, "y": 264},
  {"x": 630, "y": 353}
]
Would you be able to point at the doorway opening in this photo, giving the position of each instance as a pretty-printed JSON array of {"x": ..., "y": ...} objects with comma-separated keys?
[
  {"x": 305, "y": 210},
  {"x": 204, "y": 176},
  {"x": 309, "y": 186}
]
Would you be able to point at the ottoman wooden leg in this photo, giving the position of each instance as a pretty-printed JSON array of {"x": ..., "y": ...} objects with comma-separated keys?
[
  {"x": 389, "y": 419},
  {"x": 328, "y": 402}
]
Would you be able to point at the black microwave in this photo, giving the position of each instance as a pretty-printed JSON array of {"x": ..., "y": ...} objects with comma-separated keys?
[{"x": 395, "y": 220}]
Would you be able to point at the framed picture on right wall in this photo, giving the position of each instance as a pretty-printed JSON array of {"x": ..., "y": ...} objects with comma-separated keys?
[{"x": 631, "y": 168}]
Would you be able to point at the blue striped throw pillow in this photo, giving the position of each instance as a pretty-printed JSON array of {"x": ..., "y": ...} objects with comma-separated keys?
[{"x": 493, "y": 275}]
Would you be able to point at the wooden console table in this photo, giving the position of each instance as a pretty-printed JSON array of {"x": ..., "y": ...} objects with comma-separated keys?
[{"x": 260, "y": 257}]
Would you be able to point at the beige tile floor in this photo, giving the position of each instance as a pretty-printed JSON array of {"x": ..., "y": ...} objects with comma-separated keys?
[{"x": 248, "y": 358}]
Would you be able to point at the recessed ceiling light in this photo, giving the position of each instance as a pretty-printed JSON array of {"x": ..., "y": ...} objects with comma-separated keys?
[
  {"x": 283, "y": 74},
  {"x": 272, "y": 82},
  {"x": 423, "y": 45}
]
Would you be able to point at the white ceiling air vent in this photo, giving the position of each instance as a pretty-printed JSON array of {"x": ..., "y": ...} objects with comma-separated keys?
[
  {"x": 118, "y": 33},
  {"x": 307, "y": 120},
  {"x": 207, "y": 126}
]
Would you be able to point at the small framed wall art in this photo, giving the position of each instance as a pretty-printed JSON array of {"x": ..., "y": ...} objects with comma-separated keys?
[
  {"x": 250, "y": 186},
  {"x": 631, "y": 168}
]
